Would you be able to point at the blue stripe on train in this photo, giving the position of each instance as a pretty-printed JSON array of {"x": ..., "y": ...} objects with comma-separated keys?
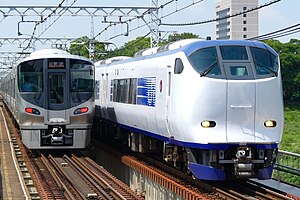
[{"x": 215, "y": 146}]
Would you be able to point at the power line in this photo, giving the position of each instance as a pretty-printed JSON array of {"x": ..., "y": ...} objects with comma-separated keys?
[
  {"x": 221, "y": 18},
  {"x": 279, "y": 33},
  {"x": 148, "y": 12}
]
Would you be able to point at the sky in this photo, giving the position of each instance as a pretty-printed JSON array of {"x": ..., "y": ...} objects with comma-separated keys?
[{"x": 277, "y": 16}]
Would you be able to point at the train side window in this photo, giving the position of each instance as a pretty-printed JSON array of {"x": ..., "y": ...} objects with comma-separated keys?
[
  {"x": 98, "y": 89},
  {"x": 124, "y": 90},
  {"x": 205, "y": 62},
  {"x": 178, "y": 66},
  {"x": 132, "y": 90},
  {"x": 266, "y": 63}
]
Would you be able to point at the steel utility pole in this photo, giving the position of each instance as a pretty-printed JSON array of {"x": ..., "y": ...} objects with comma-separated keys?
[{"x": 154, "y": 27}]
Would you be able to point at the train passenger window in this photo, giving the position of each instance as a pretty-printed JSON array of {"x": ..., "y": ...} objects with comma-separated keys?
[
  {"x": 234, "y": 53},
  {"x": 132, "y": 90},
  {"x": 30, "y": 77},
  {"x": 82, "y": 78},
  {"x": 205, "y": 61},
  {"x": 124, "y": 90},
  {"x": 265, "y": 62},
  {"x": 98, "y": 89}
]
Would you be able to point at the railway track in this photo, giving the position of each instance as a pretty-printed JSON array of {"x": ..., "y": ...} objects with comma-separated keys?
[
  {"x": 189, "y": 188},
  {"x": 74, "y": 176},
  {"x": 66, "y": 176},
  {"x": 71, "y": 176}
]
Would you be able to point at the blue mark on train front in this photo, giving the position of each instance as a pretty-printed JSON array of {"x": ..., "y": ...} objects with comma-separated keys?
[{"x": 146, "y": 91}]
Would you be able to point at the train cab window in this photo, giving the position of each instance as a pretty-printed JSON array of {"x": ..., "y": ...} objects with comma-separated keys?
[
  {"x": 205, "y": 62},
  {"x": 82, "y": 76},
  {"x": 30, "y": 77},
  {"x": 238, "y": 71},
  {"x": 57, "y": 82},
  {"x": 234, "y": 53},
  {"x": 266, "y": 63}
]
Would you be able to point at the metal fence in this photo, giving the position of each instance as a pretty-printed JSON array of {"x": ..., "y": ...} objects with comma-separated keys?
[{"x": 287, "y": 162}]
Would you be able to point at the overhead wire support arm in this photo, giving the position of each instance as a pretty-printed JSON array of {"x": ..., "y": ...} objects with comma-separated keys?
[{"x": 9, "y": 11}]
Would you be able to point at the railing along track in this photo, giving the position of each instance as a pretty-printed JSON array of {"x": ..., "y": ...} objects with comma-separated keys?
[{"x": 189, "y": 188}]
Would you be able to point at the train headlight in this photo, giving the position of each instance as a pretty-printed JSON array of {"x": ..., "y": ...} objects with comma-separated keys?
[
  {"x": 32, "y": 111},
  {"x": 208, "y": 124},
  {"x": 81, "y": 110},
  {"x": 270, "y": 123}
]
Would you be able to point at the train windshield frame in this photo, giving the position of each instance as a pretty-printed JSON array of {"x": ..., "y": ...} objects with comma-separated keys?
[
  {"x": 82, "y": 76},
  {"x": 31, "y": 76},
  {"x": 212, "y": 62}
]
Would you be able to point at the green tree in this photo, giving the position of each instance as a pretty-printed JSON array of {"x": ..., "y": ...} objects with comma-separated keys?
[
  {"x": 140, "y": 43},
  {"x": 82, "y": 45},
  {"x": 131, "y": 47},
  {"x": 289, "y": 54},
  {"x": 176, "y": 37}
]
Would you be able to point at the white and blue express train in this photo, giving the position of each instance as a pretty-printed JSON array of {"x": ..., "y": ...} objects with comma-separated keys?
[
  {"x": 51, "y": 96},
  {"x": 212, "y": 108}
]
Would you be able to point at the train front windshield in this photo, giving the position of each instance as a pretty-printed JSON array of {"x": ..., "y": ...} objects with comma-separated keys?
[
  {"x": 208, "y": 62},
  {"x": 31, "y": 76},
  {"x": 81, "y": 76}
]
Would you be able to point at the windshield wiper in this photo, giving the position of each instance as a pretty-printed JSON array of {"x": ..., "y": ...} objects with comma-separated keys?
[
  {"x": 208, "y": 69},
  {"x": 271, "y": 70}
]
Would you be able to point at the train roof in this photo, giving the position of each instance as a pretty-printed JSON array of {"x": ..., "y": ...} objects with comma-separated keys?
[
  {"x": 111, "y": 60},
  {"x": 187, "y": 46},
  {"x": 52, "y": 53}
]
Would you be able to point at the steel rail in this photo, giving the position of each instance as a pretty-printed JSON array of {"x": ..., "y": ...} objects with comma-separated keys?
[{"x": 87, "y": 176}]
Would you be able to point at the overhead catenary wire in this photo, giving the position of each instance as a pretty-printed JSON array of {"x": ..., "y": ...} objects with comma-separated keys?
[
  {"x": 146, "y": 24},
  {"x": 221, "y": 18},
  {"x": 279, "y": 33},
  {"x": 31, "y": 40}
]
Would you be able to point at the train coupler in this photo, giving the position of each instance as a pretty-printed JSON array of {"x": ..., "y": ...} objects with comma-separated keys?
[{"x": 56, "y": 135}]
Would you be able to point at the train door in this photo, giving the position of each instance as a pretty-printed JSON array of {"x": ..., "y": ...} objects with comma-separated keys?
[
  {"x": 57, "y": 92},
  {"x": 241, "y": 99},
  {"x": 104, "y": 95},
  {"x": 163, "y": 101}
]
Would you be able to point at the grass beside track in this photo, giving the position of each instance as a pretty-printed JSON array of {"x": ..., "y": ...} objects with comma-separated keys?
[
  {"x": 290, "y": 140},
  {"x": 291, "y": 134}
]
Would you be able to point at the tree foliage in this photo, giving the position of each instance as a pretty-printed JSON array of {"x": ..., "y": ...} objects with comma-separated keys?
[
  {"x": 140, "y": 43},
  {"x": 131, "y": 47},
  {"x": 82, "y": 45},
  {"x": 176, "y": 37},
  {"x": 290, "y": 68}
]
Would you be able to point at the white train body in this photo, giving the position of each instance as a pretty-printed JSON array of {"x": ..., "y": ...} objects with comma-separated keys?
[
  {"x": 214, "y": 99},
  {"x": 56, "y": 110}
]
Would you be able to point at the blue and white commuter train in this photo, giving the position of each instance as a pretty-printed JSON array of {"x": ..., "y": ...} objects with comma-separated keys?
[
  {"x": 211, "y": 108},
  {"x": 51, "y": 96}
]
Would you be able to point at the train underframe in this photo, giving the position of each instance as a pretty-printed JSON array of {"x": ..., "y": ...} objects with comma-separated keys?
[{"x": 235, "y": 162}]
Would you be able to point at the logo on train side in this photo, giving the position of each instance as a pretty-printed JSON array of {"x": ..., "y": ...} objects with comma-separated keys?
[{"x": 146, "y": 91}]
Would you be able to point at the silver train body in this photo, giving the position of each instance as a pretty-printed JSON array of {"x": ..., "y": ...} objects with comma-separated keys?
[
  {"x": 211, "y": 108},
  {"x": 51, "y": 96}
]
